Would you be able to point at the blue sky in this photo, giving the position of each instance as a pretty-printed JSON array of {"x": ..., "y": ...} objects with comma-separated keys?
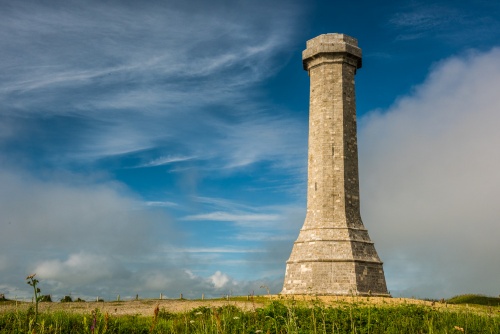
[{"x": 160, "y": 146}]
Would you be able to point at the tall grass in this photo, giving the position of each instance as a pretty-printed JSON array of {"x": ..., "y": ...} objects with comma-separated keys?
[{"x": 276, "y": 317}]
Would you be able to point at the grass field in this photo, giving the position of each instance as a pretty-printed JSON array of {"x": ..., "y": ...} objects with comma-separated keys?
[{"x": 462, "y": 314}]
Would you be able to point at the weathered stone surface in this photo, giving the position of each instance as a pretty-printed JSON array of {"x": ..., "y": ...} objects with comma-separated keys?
[{"x": 333, "y": 254}]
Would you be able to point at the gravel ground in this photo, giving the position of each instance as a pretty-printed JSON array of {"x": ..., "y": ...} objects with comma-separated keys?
[
  {"x": 146, "y": 306},
  {"x": 141, "y": 307}
]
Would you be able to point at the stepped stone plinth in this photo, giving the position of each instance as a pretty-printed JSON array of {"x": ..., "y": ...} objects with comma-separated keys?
[{"x": 333, "y": 254}]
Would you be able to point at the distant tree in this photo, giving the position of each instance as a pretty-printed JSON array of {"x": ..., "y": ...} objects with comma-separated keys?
[
  {"x": 46, "y": 298},
  {"x": 66, "y": 299}
]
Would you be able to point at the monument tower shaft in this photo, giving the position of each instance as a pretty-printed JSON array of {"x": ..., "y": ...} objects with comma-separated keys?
[
  {"x": 333, "y": 188},
  {"x": 333, "y": 254}
]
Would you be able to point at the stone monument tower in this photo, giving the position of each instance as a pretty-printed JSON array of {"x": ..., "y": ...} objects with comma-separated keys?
[{"x": 333, "y": 254}]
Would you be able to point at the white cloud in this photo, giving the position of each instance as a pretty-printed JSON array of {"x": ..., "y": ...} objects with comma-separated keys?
[
  {"x": 135, "y": 61},
  {"x": 430, "y": 182},
  {"x": 89, "y": 237},
  {"x": 419, "y": 20},
  {"x": 4, "y": 262},
  {"x": 425, "y": 17},
  {"x": 219, "y": 279},
  {"x": 158, "y": 47},
  {"x": 263, "y": 236},
  {"x": 157, "y": 281},
  {"x": 72, "y": 211},
  {"x": 231, "y": 217},
  {"x": 73, "y": 230},
  {"x": 161, "y": 204},
  {"x": 222, "y": 204},
  {"x": 264, "y": 138},
  {"x": 216, "y": 250},
  {"x": 82, "y": 269},
  {"x": 164, "y": 160},
  {"x": 193, "y": 286}
]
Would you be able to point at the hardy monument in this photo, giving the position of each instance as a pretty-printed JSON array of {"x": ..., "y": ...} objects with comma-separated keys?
[{"x": 333, "y": 254}]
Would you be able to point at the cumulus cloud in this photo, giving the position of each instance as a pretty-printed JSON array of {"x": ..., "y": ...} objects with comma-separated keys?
[
  {"x": 71, "y": 229},
  {"x": 219, "y": 279},
  {"x": 75, "y": 213},
  {"x": 173, "y": 282},
  {"x": 430, "y": 182},
  {"x": 91, "y": 237},
  {"x": 82, "y": 269},
  {"x": 4, "y": 262}
]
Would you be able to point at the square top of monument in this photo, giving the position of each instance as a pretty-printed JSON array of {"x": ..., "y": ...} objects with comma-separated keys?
[{"x": 332, "y": 43}]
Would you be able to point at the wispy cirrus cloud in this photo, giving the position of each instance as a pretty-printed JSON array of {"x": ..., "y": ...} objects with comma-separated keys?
[
  {"x": 160, "y": 80},
  {"x": 451, "y": 22},
  {"x": 426, "y": 17},
  {"x": 171, "y": 53},
  {"x": 216, "y": 250},
  {"x": 161, "y": 204},
  {"x": 164, "y": 160},
  {"x": 269, "y": 236},
  {"x": 233, "y": 217}
]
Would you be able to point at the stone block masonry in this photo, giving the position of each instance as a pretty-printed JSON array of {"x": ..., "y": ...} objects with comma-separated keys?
[{"x": 333, "y": 254}]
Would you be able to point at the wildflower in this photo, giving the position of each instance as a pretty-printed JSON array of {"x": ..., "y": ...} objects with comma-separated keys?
[
  {"x": 459, "y": 328},
  {"x": 236, "y": 318},
  {"x": 30, "y": 276},
  {"x": 156, "y": 311},
  {"x": 94, "y": 321}
]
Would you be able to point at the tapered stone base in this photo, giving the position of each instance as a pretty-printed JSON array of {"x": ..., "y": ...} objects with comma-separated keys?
[
  {"x": 334, "y": 261},
  {"x": 335, "y": 278}
]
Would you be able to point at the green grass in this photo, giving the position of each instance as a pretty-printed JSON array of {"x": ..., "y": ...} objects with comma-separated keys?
[
  {"x": 276, "y": 317},
  {"x": 475, "y": 299}
]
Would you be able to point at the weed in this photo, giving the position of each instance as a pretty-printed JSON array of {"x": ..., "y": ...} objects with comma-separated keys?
[{"x": 36, "y": 294}]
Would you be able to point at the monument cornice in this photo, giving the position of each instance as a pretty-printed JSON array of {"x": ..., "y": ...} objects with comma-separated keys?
[{"x": 342, "y": 47}]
